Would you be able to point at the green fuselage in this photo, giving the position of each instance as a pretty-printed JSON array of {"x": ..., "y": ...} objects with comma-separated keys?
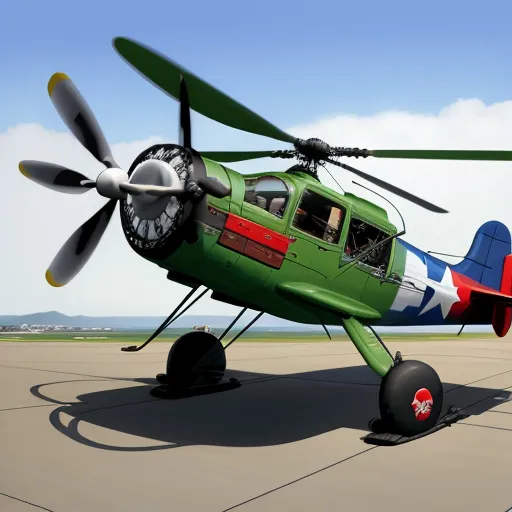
[{"x": 309, "y": 260}]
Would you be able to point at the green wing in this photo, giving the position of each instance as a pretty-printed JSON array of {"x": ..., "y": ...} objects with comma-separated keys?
[
  {"x": 368, "y": 345},
  {"x": 327, "y": 299}
]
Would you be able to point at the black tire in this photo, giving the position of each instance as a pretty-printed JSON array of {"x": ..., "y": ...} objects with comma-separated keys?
[
  {"x": 411, "y": 398},
  {"x": 186, "y": 352}
]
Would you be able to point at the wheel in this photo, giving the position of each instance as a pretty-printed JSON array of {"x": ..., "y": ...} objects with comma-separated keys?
[
  {"x": 186, "y": 352},
  {"x": 411, "y": 398}
]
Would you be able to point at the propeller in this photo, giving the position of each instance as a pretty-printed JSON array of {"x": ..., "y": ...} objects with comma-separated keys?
[
  {"x": 236, "y": 156},
  {"x": 185, "y": 125},
  {"x": 240, "y": 156},
  {"x": 112, "y": 183},
  {"x": 439, "y": 154},
  {"x": 420, "y": 154},
  {"x": 79, "y": 247},
  {"x": 391, "y": 188},
  {"x": 56, "y": 177},
  {"x": 206, "y": 184},
  {"x": 208, "y": 101},
  {"x": 204, "y": 98}
]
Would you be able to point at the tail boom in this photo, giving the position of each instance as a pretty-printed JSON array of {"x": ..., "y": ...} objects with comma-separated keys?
[{"x": 476, "y": 291}]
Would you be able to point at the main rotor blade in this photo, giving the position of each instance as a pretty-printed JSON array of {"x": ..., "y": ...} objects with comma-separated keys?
[
  {"x": 79, "y": 247},
  {"x": 204, "y": 98},
  {"x": 391, "y": 188},
  {"x": 236, "y": 156},
  {"x": 185, "y": 126},
  {"x": 56, "y": 177},
  {"x": 78, "y": 117},
  {"x": 442, "y": 154}
]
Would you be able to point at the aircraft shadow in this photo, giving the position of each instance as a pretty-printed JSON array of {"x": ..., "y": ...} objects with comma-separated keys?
[{"x": 266, "y": 410}]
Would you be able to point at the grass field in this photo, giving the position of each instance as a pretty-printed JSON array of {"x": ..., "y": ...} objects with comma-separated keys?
[{"x": 169, "y": 335}]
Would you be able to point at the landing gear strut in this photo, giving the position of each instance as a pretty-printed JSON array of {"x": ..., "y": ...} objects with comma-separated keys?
[{"x": 197, "y": 360}]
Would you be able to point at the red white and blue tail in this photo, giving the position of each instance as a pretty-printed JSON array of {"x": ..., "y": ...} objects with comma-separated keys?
[
  {"x": 489, "y": 263},
  {"x": 478, "y": 290}
]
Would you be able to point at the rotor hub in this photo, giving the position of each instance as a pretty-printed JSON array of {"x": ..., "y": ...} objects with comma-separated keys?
[
  {"x": 107, "y": 183},
  {"x": 153, "y": 172},
  {"x": 313, "y": 150}
]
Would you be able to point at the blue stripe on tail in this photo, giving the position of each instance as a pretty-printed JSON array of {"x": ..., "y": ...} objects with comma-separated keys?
[{"x": 484, "y": 261}]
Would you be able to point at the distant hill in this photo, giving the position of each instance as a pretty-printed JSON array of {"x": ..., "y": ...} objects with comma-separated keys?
[
  {"x": 266, "y": 322},
  {"x": 144, "y": 322}
]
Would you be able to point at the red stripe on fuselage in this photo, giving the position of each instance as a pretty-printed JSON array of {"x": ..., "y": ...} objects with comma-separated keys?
[{"x": 257, "y": 233}]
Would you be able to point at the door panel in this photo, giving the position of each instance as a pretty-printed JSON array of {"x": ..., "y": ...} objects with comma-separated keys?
[{"x": 315, "y": 232}]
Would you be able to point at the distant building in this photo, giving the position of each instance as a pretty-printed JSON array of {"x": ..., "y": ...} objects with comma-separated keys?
[
  {"x": 49, "y": 328},
  {"x": 204, "y": 328}
]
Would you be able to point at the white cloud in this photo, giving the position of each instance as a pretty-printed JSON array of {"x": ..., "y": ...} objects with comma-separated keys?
[{"x": 37, "y": 221}]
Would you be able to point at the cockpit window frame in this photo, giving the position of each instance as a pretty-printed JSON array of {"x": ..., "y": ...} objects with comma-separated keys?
[
  {"x": 332, "y": 201},
  {"x": 257, "y": 208},
  {"x": 362, "y": 265}
]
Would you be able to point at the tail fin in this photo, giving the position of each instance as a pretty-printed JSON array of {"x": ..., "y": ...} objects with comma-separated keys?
[
  {"x": 489, "y": 263},
  {"x": 485, "y": 259}
]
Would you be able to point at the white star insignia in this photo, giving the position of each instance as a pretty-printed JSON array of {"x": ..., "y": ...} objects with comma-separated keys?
[{"x": 445, "y": 294}]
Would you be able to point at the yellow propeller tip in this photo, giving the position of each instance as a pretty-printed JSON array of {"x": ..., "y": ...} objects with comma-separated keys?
[
  {"x": 23, "y": 170},
  {"x": 54, "y": 80},
  {"x": 51, "y": 280}
]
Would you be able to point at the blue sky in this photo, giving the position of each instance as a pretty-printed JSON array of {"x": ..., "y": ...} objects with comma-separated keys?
[
  {"x": 297, "y": 64},
  {"x": 293, "y": 62}
]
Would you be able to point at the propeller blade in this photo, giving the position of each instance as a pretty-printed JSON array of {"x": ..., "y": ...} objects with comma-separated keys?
[
  {"x": 236, "y": 156},
  {"x": 79, "y": 247},
  {"x": 55, "y": 177},
  {"x": 78, "y": 117},
  {"x": 442, "y": 154},
  {"x": 185, "y": 126},
  {"x": 204, "y": 98},
  {"x": 135, "y": 189},
  {"x": 391, "y": 188}
]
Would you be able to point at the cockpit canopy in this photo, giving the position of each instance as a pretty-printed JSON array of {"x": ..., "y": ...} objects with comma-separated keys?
[
  {"x": 323, "y": 218},
  {"x": 269, "y": 193},
  {"x": 319, "y": 217}
]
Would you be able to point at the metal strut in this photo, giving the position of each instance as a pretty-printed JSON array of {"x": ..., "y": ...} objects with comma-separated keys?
[
  {"x": 398, "y": 356},
  {"x": 207, "y": 358},
  {"x": 248, "y": 326},
  {"x": 169, "y": 320}
]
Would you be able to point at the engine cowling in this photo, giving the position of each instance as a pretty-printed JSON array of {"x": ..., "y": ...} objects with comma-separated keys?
[{"x": 156, "y": 226}]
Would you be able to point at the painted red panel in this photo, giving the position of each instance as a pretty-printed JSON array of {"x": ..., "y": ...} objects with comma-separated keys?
[
  {"x": 233, "y": 241},
  {"x": 258, "y": 233},
  {"x": 264, "y": 254},
  {"x": 502, "y": 317}
]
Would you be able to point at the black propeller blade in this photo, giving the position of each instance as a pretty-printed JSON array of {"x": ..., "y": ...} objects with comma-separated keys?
[
  {"x": 391, "y": 188},
  {"x": 56, "y": 177},
  {"x": 185, "y": 126},
  {"x": 79, "y": 247},
  {"x": 79, "y": 118}
]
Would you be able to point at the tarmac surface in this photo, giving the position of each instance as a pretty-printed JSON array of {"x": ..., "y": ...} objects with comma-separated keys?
[{"x": 80, "y": 432}]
